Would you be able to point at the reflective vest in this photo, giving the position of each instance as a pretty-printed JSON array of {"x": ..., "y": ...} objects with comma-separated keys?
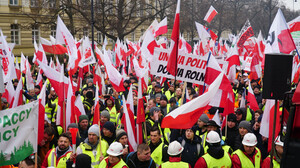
[
  {"x": 249, "y": 115},
  {"x": 226, "y": 148},
  {"x": 156, "y": 155},
  {"x": 112, "y": 113},
  {"x": 169, "y": 94},
  {"x": 224, "y": 162},
  {"x": 120, "y": 164},
  {"x": 275, "y": 163},
  {"x": 61, "y": 161},
  {"x": 246, "y": 162},
  {"x": 94, "y": 154},
  {"x": 48, "y": 110},
  {"x": 166, "y": 134},
  {"x": 175, "y": 164},
  {"x": 118, "y": 121},
  {"x": 203, "y": 137}
]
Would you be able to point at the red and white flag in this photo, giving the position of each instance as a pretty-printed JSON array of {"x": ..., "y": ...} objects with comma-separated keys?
[
  {"x": 211, "y": 13},
  {"x": 140, "y": 116},
  {"x": 58, "y": 49},
  {"x": 29, "y": 80},
  {"x": 79, "y": 108},
  {"x": 172, "y": 64},
  {"x": 96, "y": 119},
  {"x": 245, "y": 33},
  {"x": 70, "y": 116},
  {"x": 88, "y": 56},
  {"x": 42, "y": 103},
  {"x": 251, "y": 100},
  {"x": 294, "y": 25},
  {"x": 280, "y": 39},
  {"x": 202, "y": 33},
  {"x": 18, "y": 96},
  {"x": 161, "y": 28},
  {"x": 185, "y": 116},
  {"x": 148, "y": 45}
]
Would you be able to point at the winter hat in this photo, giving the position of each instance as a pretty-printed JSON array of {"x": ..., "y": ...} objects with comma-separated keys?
[
  {"x": 245, "y": 124},
  {"x": 204, "y": 118},
  {"x": 158, "y": 95},
  {"x": 105, "y": 114},
  {"x": 212, "y": 123},
  {"x": 72, "y": 125},
  {"x": 153, "y": 109},
  {"x": 231, "y": 117},
  {"x": 110, "y": 126},
  {"x": 90, "y": 80},
  {"x": 83, "y": 117},
  {"x": 163, "y": 97},
  {"x": 119, "y": 134},
  {"x": 94, "y": 129},
  {"x": 83, "y": 161}
]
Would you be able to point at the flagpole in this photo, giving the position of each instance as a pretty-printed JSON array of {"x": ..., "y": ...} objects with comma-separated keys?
[
  {"x": 35, "y": 160},
  {"x": 273, "y": 134},
  {"x": 145, "y": 130},
  {"x": 206, "y": 70},
  {"x": 100, "y": 137}
]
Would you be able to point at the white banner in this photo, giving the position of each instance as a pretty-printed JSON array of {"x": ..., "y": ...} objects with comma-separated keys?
[
  {"x": 248, "y": 64},
  {"x": 191, "y": 68},
  {"x": 18, "y": 133}
]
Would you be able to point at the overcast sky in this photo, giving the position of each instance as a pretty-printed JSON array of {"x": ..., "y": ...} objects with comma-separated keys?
[{"x": 291, "y": 3}]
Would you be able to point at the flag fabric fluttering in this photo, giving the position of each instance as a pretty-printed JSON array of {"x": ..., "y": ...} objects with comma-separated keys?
[
  {"x": 294, "y": 25},
  {"x": 211, "y": 13},
  {"x": 172, "y": 64},
  {"x": 161, "y": 28}
]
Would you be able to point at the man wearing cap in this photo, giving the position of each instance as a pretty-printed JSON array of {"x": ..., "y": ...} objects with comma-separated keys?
[
  {"x": 121, "y": 136},
  {"x": 141, "y": 158},
  {"x": 4, "y": 103},
  {"x": 244, "y": 128},
  {"x": 174, "y": 150},
  {"x": 248, "y": 155},
  {"x": 232, "y": 130},
  {"x": 108, "y": 132},
  {"x": 170, "y": 92},
  {"x": 83, "y": 126},
  {"x": 104, "y": 117},
  {"x": 277, "y": 155},
  {"x": 114, "y": 159},
  {"x": 157, "y": 89},
  {"x": 164, "y": 106},
  {"x": 201, "y": 130},
  {"x": 92, "y": 145},
  {"x": 216, "y": 156}
]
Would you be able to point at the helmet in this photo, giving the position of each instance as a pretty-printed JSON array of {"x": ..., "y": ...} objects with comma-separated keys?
[
  {"x": 213, "y": 137},
  {"x": 278, "y": 141},
  {"x": 249, "y": 140},
  {"x": 175, "y": 148},
  {"x": 115, "y": 149}
]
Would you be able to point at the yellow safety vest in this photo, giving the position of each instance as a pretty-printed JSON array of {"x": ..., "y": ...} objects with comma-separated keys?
[
  {"x": 226, "y": 148},
  {"x": 113, "y": 114},
  {"x": 249, "y": 115},
  {"x": 48, "y": 110},
  {"x": 120, "y": 164},
  {"x": 175, "y": 164},
  {"x": 203, "y": 137},
  {"x": 169, "y": 95},
  {"x": 224, "y": 162},
  {"x": 275, "y": 163},
  {"x": 62, "y": 161},
  {"x": 246, "y": 162},
  {"x": 156, "y": 155},
  {"x": 95, "y": 158}
]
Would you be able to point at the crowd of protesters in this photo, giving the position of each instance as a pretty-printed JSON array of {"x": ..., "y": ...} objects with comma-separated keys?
[{"x": 206, "y": 144}]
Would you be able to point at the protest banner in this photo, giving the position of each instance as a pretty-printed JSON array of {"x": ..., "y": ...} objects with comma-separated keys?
[
  {"x": 18, "y": 133},
  {"x": 191, "y": 68}
]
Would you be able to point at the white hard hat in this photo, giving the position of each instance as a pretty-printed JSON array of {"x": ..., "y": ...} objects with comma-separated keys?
[
  {"x": 278, "y": 141},
  {"x": 249, "y": 140},
  {"x": 115, "y": 149},
  {"x": 175, "y": 148},
  {"x": 213, "y": 137}
]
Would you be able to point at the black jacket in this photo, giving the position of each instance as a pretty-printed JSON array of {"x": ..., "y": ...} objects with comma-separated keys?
[
  {"x": 232, "y": 133},
  {"x": 132, "y": 161}
]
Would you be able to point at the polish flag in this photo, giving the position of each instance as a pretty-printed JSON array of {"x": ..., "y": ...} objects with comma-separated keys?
[
  {"x": 9, "y": 92},
  {"x": 186, "y": 115},
  {"x": 40, "y": 55},
  {"x": 140, "y": 116},
  {"x": 2, "y": 89},
  {"x": 184, "y": 45},
  {"x": 88, "y": 56},
  {"x": 202, "y": 33},
  {"x": 172, "y": 64},
  {"x": 280, "y": 39},
  {"x": 18, "y": 71},
  {"x": 70, "y": 116},
  {"x": 251, "y": 100},
  {"x": 129, "y": 125},
  {"x": 266, "y": 127},
  {"x": 58, "y": 48},
  {"x": 294, "y": 25},
  {"x": 148, "y": 45},
  {"x": 97, "y": 78},
  {"x": 47, "y": 45},
  {"x": 42, "y": 103},
  {"x": 245, "y": 33},
  {"x": 96, "y": 119},
  {"x": 39, "y": 80},
  {"x": 233, "y": 58},
  {"x": 161, "y": 28},
  {"x": 79, "y": 108},
  {"x": 29, "y": 80},
  {"x": 18, "y": 96},
  {"x": 211, "y": 13}
]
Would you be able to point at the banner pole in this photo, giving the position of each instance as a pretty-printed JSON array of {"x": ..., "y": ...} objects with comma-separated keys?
[
  {"x": 273, "y": 136},
  {"x": 206, "y": 70}
]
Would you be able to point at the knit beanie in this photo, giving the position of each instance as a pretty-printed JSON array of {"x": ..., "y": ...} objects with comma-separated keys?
[
  {"x": 94, "y": 129},
  {"x": 231, "y": 117},
  {"x": 245, "y": 124},
  {"x": 163, "y": 97},
  {"x": 110, "y": 126},
  {"x": 204, "y": 118},
  {"x": 90, "y": 80},
  {"x": 105, "y": 114},
  {"x": 119, "y": 134},
  {"x": 83, "y": 117},
  {"x": 83, "y": 161},
  {"x": 153, "y": 109},
  {"x": 72, "y": 125}
]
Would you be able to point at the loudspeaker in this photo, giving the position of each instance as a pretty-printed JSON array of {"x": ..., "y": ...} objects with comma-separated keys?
[{"x": 277, "y": 75}]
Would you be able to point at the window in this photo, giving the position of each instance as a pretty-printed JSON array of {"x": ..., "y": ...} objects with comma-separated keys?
[
  {"x": 13, "y": 2},
  {"x": 132, "y": 36},
  {"x": 85, "y": 32},
  {"x": 53, "y": 31},
  {"x": 14, "y": 34},
  {"x": 35, "y": 34},
  {"x": 34, "y": 3},
  {"x": 99, "y": 37}
]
